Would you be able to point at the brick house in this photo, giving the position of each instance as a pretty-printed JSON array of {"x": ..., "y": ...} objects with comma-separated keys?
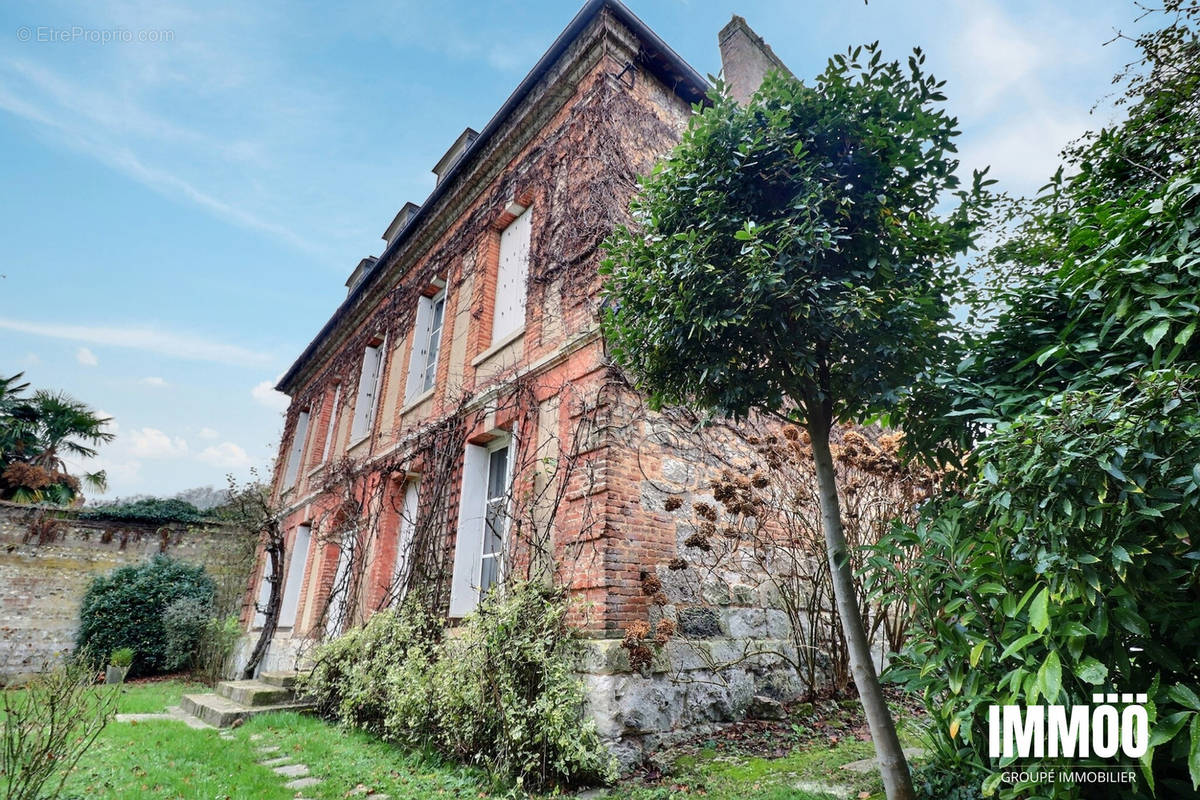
[{"x": 456, "y": 423}]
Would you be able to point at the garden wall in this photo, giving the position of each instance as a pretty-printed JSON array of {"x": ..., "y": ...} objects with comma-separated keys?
[{"x": 48, "y": 558}]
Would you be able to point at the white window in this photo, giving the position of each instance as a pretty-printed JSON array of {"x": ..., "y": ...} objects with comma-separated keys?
[
  {"x": 495, "y": 519},
  {"x": 427, "y": 341},
  {"x": 297, "y": 451},
  {"x": 512, "y": 276},
  {"x": 326, "y": 451},
  {"x": 368, "y": 392},
  {"x": 482, "y": 524},
  {"x": 295, "y": 577},
  {"x": 404, "y": 539},
  {"x": 340, "y": 591}
]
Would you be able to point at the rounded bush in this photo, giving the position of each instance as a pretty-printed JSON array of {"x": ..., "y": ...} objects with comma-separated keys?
[{"x": 126, "y": 607}]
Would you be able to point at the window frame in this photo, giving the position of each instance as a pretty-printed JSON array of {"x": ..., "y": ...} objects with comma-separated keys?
[
  {"x": 467, "y": 571},
  {"x": 331, "y": 425},
  {"x": 293, "y": 581},
  {"x": 405, "y": 535},
  {"x": 500, "y": 506}
]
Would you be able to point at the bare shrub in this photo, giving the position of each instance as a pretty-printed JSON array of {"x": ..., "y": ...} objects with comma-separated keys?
[{"x": 47, "y": 727}]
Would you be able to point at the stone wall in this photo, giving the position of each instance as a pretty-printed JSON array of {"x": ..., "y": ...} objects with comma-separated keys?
[
  {"x": 48, "y": 559},
  {"x": 691, "y": 688}
]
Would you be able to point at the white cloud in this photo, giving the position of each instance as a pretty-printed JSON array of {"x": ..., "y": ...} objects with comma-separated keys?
[
  {"x": 110, "y": 424},
  {"x": 1006, "y": 81},
  {"x": 156, "y": 382},
  {"x": 31, "y": 359},
  {"x": 1024, "y": 152},
  {"x": 101, "y": 124},
  {"x": 86, "y": 357},
  {"x": 226, "y": 455},
  {"x": 265, "y": 394},
  {"x": 153, "y": 443},
  {"x": 175, "y": 345},
  {"x": 991, "y": 57},
  {"x": 208, "y": 433}
]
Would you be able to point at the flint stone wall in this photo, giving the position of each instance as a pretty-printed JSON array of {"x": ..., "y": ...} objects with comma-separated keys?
[{"x": 43, "y": 578}]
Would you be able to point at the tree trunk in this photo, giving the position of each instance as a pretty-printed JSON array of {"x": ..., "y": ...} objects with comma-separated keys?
[
  {"x": 274, "y": 551},
  {"x": 892, "y": 764}
]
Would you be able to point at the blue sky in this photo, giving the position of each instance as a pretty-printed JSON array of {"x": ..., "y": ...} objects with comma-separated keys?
[{"x": 180, "y": 214}]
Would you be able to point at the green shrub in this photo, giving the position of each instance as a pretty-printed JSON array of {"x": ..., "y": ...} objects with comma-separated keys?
[
  {"x": 217, "y": 642},
  {"x": 184, "y": 623},
  {"x": 150, "y": 509},
  {"x": 121, "y": 657},
  {"x": 125, "y": 608},
  {"x": 500, "y": 693},
  {"x": 1070, "y": 567}
]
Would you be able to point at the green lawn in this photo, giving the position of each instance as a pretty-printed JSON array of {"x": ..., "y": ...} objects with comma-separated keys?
[
  {"x": 153, "y": 698},
  {"x": 165, "y": 759}
]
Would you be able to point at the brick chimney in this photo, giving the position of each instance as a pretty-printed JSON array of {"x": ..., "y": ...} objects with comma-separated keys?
[{"x": 745, "y": 59}]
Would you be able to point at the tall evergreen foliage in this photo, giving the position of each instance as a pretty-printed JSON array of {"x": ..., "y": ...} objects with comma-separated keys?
[{"x": 1070, "y": 563}]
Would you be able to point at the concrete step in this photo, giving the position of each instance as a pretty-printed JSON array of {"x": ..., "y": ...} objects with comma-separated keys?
[
  {"x": 281, "y": 678},
  {"x": 222, "y": 712},
  {"x": 254, "y": 693}
]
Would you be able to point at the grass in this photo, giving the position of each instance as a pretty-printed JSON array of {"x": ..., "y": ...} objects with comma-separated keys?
[
  {"x": 731, "y": 777},
  {"x": 344, "y": 759},
  {"x": 166, "y": 760},
  {"x": 156, "y": 696}
]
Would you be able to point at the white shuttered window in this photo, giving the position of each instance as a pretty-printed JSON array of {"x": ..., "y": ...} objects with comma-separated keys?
[
  {"x": 297, "y": 451},
  {"x": 368, "y": 392},
  {"x": 427, "y": 341},
  {"x": 512, "y": 278}
]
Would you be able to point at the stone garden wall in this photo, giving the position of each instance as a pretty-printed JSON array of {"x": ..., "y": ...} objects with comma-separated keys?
[{"x": 48, "y": 559}]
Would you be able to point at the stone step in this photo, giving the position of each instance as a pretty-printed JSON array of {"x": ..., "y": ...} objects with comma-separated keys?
[
  {"x": 282, "y": 678},
  {"x": 222, "y": 712},
  {"x": 254, "y": 693}
]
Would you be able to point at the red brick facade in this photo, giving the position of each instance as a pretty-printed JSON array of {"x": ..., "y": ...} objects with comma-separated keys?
[{"x": 605, "y": 102}]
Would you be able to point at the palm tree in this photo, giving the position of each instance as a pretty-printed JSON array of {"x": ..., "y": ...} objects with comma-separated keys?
[
  {"x": 15, "y": 414},
  {"x": 37, "y": 434}
]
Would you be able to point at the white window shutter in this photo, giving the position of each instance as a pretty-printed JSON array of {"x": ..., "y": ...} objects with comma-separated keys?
[
  {"x": 419, "y": 350},
  {"x": 339, "y": 593},
  {"x": 264, "y": 594},
  {"x": 297, "y": 450},
  {"x": 468, "y": 547},
  {"x": 295, "y": 577},
  {"x": 512, "y": 278},
  {"x": 404, "y": 538},
  {"x": 364, "y": 403}
]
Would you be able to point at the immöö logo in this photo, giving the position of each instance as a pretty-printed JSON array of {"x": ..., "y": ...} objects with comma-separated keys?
[{"x": 1099, "y": 730}]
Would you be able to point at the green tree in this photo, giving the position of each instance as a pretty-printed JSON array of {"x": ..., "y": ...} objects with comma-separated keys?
[
  {"x": 1069, "y": 563},
  {"x": 37, "y": 433},
  {"x": 789, "y": 258}
]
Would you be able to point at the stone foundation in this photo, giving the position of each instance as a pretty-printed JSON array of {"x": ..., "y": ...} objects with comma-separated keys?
[{"x": 691, "y": 688}]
